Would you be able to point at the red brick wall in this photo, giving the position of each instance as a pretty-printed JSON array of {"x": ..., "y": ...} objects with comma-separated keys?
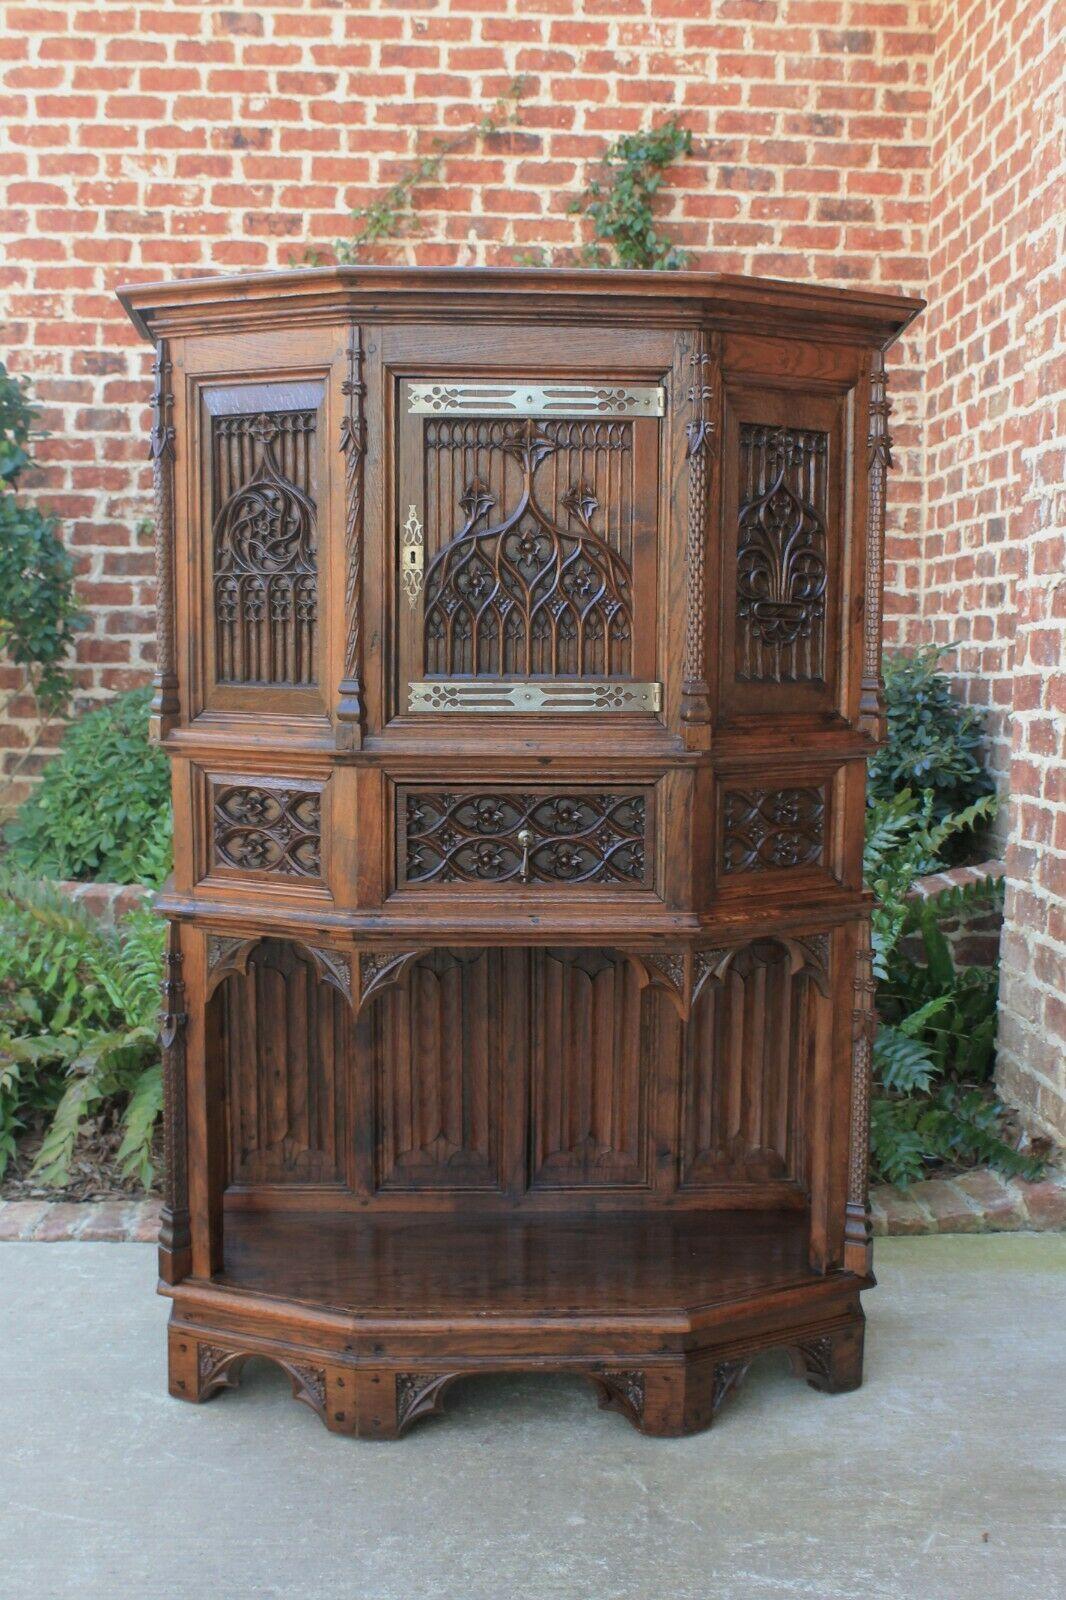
[{"x": 993, "y": 570}]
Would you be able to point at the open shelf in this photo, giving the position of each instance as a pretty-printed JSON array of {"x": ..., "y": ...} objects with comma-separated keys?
[{"x": 628, "y": 1264}]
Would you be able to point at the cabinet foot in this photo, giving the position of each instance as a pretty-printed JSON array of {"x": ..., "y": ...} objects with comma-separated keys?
[{"x": 831, "y": 1362}]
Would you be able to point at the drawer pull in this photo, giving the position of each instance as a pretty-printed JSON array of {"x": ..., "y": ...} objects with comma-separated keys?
[{"x": 525, "y": 839}]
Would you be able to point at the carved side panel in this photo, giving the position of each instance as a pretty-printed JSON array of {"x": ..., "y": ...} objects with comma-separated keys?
[
  {"x": 350, "y": 708},
  {"x": 175, "y": 1240},
  {"x": 857, "y": 1234},
  {"x": 267, "y": 827},
  {"x": 703, "y": 432},
  {"x": 264, "y": 535},
  {"x": 879, "y": 461},
  {"x": 285, "y": 1042},
  {"x": 745, "y": 1072},
  {"x": 772, "y": 829},
  {"x": 530, "y": 530},
  {"x": 436, "y": 1044},
  {"x": 592, "y": 1043},
  {"x": 581, "y": 837},
  {"x": 166, "y": 705},
  {"x": 782, "y": 554}
]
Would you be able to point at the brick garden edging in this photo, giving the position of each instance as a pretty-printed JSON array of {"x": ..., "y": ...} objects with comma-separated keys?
[
  {"x": 981, "y": 1201},
  {"x": 53, "y": 1221},
  {"x": 974, "y": 935},
  {"x": 107, "y": 902},
  {"x": 978, "y": 1202}
]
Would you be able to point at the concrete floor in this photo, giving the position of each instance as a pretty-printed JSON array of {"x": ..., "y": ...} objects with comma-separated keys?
[{"x": 943, "y": 1478}]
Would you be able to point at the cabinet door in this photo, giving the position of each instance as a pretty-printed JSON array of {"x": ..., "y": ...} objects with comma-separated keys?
[
  {"x": 784, "y": 535},
  {"x": 263, "y": 478},
  {"x": 527, "y": 545}
]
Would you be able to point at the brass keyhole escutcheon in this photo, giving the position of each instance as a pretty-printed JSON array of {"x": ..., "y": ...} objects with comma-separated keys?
[
  {"x": 525, "y": 839},
  {"x": 412, "y": 555}
]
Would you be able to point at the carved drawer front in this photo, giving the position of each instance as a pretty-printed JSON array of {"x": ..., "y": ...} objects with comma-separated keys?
[
  {"x": 781, "y": 827},
  {"x": 527, "y": 532},
  {"x": 538, "y": 838},
  {"x": 266, "y": 828},
  {"x": 769, "y": 828}
]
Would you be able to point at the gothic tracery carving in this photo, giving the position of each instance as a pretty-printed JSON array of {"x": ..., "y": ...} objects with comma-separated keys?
[
  {"x": 539, "y": 590},
  {"x": 765, "y": 829},
  {"x": 782, "y": 570},
  {"x": 268, "y": 829},
  {"x": 573, "y": 838},
  {"x": 266, "y": 580}
]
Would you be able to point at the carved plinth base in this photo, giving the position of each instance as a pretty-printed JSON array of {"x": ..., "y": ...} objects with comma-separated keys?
[{"x": 665, "y": 1398}]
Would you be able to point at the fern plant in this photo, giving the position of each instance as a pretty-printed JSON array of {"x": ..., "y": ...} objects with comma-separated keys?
[
  {"x": 78, "y": 1019},
  {"x": 935, "y": 1046}
]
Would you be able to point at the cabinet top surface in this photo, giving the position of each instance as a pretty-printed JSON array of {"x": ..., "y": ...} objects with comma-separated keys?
[{"x": 455, "y": 294}]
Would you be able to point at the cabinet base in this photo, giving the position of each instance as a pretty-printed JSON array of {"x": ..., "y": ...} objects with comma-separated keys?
[{"x": 664, "y": 1397}]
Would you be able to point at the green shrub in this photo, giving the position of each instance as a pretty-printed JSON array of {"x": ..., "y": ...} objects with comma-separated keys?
[
  {"x": 38, "y": 615},
  {"x": 935, "y": 1045},
  {"x": 933, "y": 741},
  {"x": 102, "y": 808},
  {"x": 78, "y": 1016}
]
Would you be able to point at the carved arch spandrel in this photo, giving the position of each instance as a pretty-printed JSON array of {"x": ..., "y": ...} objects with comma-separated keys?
[
  {"x": 667, "y": 969},
  {"x": 683, "y": 973},
  {"x": 809, "y": 953},
  {"x": 229, "y": 953},
  {"x": 219, "y": 1367},
  {"x": 380, "y": 970}
]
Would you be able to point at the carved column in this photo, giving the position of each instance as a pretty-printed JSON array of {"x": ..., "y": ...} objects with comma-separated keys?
[
  {"x": 857, "y": 1238},
  {"x": 166, "y": 706},
  {"x": 703, "y": 434},
  {"x": 879, "y": 460},
  {"x": 350, "y": 707},
  {"x": 175, "y": 1240}
]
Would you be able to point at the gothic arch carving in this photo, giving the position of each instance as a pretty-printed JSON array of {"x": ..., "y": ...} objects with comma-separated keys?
[
  {"x": 536, "y": 592},
  {"x": 227, "y": 954}
]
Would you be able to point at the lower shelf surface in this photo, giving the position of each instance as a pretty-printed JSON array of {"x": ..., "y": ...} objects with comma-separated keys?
[{"x": 628, "y": 1264}]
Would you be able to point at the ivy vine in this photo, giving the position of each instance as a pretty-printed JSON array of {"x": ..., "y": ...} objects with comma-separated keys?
[
  {"x": 619, "y": 204},
  {"x": 392, "y": 217}
]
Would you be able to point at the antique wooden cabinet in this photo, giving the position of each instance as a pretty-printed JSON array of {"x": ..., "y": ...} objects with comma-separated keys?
[{"x": 518, "y": 663}]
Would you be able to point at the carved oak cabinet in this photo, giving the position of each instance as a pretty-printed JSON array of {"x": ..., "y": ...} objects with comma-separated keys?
[{"x": 518, "y": 662}]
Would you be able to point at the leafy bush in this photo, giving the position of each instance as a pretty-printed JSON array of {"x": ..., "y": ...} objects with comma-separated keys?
[
  {"x": 933, "y": 742},
  {"x": 38, "y": 615},
  {"x": 78, "y": 1010},
  {"x": 102, "y": 808},
  {"x": 935, "y": 1045}
]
